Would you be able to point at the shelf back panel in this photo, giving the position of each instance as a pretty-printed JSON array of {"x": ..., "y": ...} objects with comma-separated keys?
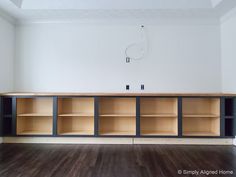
[
  {"x": 34, "y": 105},
  {"x": 117, "y": 106}
]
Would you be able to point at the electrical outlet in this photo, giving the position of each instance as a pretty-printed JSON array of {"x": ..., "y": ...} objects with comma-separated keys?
[
  {"x": 142, "y": 86},
  {"x": 127, "y": 60},
  {"x": 127, "y": 87}
]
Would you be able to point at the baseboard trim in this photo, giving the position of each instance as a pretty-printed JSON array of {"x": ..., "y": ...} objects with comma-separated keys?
[
  {"x": 67, "y": 140},
  {"x": 190, "y": 141},
  {"x": 83, "y": 140},
  {"x": 1, "y": 140},
  {"x": 234, "y": 141}
]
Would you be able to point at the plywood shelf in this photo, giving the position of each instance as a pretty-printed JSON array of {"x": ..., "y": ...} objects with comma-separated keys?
[
  {"x": 114, "y": 125},
  {"x": 201, "y": 106},
  {"x": 76, "y": 115},
  {"x": 202, "y": 125},
  {"x": 117, "y": 115},
  {"x": 199, "y": 133},
  {"x": 81, "y": 106},
  {"x": 75, "y": 125},
  {"x": 32, "y": 132},
  {"x": 127, "y": 133},
  {"x": 200, "y": 116},
  {"x": 159, "y": 115},
  {"x": 159, "y": 106},
  {"x": 82, "y": 132},
  {"x": 35, "y": 115},
  {"x": 34, "y": 106},
  {"x": 159, "y": 126},
  {"x": 157, "y": 133},
  {"x": 117, "y": 106}
]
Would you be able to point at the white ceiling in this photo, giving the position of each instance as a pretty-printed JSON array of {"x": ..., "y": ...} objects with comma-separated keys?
[{"x": 72, "y": 9}]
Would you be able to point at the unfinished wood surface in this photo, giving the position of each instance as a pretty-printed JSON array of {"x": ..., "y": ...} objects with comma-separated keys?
[
  {"x": 159, "y": 126},
  {"x": 76, "y": 106},
  {"x": 117, "y": 115},
  {"x": 201, "y": 106},
  {"x": 212, "y": 94},
  {"x": 34, "y": 125},
  {"x": 159, "y": 115},
  {"x": 200, "y": 115},
  {"x": 77, "y": 115},
  {"x": 75, "y": 126},
  {"x": 201, "y": 126},
  {"x": 35, "y": 114},
  {"x": 117, "y": 125},
  {"x": 155, "y": 106},
  {"x": 117, "y": 106},
  {"x": 34, "y": 106}
]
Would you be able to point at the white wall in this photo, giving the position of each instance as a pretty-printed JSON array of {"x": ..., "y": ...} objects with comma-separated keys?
[
  {"x": 228, "y": 52},
  {"x": 7, "y": 43},
  {"x": 228, "y": 45},
  {"x": 7, "y": 36},
  {"x": 75, "y": 57}
]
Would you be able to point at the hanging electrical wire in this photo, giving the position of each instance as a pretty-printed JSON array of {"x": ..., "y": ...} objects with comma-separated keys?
[{"x": 143, "y": 44}]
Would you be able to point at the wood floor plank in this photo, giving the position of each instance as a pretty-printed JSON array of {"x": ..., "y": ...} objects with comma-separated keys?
[{"x": 44, "y": 160}]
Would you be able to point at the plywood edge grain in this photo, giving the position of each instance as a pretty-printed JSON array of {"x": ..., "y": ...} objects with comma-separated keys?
[
  {"x": 67, "y": 140},
  {"x": 187, "y": 141},
  {"x": 113, "y": 94},
  {"x": 92, "y": 140}
]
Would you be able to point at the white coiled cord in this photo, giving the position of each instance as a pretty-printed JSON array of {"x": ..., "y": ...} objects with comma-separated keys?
[{"x": 143, "y": 43}]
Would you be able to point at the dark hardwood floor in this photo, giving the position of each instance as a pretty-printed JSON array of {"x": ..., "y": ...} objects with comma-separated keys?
[{"x": 37, "y": 160}]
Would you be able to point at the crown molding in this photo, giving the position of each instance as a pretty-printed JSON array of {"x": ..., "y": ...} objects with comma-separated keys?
[
  {"x": 7, "y": 17},
  {"x": 228, "y": 15}
]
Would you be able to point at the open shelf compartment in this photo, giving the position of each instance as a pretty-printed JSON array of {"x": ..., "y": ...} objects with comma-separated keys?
[
  {"x": 159, "y": 116},
  {"x": 158, "y": 107},
  {"x": 34, "y": 125},
  {"x": 34, "y": 116},
  {"x": 75, "y": 125},
  {"x": 117, "y": 116},
  {"x": 75, "y": 116},
  {"x": 201, "y": 107},
  {"x": 229, "y": 107},
  {"x": 76, "y": 107},
  {"x": 38, "y": 106},
  {"x": 201, "y": 116}
]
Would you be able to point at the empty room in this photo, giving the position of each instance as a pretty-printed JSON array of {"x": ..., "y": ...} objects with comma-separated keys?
[{"x": 117, "y": 88}]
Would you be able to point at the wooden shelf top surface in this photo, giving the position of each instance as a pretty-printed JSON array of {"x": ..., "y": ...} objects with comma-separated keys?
[
  {"x": 159, "y": 115},
  {"x": 112, "y": 94},
  {"x": 35, "y": 115},
  {"x": 201, "y": 116},
  {"x": 76, "y": 115}
]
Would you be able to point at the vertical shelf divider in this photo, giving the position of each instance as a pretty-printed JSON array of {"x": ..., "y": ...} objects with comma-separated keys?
[
  {"x": 222, "y": 116},
  {"x": 55, "y": 113},
  {"x": 180, "y": 130},
  {"x": 14, "y": 123},
  {"x": 234, "y": 116},
  {"x": 96, "y": 116},
  {"x": 137, "y": 116},
  {"x": 1, "y": 117}
]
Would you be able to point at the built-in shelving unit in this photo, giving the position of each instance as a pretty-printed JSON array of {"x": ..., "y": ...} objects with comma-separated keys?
[
  {"x": 201, "y": 116},
  {"x": 159, "y": 116},
  {"x": 76, "y": 116},
  {"x": 34, "y": 116},
  {"x": 117, "y": 116},
  {"x": 190, "y": 116}
]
